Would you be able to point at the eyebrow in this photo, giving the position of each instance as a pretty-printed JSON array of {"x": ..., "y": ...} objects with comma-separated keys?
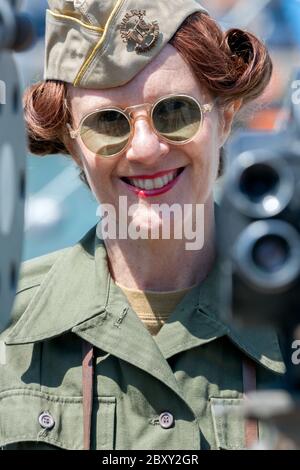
[
  {"x": 152, "y": 99},
  {"x": 99, "y": 106}
]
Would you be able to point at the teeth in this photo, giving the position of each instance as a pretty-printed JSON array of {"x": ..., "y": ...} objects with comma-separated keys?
[
  {"x": 155, "y": 183},
  {"x": 160, "y": 182},
  {"x": 149, "y": 184}
]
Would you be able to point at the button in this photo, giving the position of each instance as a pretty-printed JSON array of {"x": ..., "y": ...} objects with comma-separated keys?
[
  {"x": 46, "y": 420},
  {"x": 166, "y": 420}
]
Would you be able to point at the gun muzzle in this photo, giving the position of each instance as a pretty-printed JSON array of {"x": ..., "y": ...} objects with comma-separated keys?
[
  {"x": 267, "y": 255},
  {"x": 262, "y": 185}
]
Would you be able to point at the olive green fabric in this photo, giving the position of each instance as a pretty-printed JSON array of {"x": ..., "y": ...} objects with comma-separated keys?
[
  {"x": 191, "y": 368},
  {"x": 84, "y": 45}
]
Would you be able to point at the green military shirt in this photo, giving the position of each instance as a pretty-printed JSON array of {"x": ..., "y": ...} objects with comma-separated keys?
[{"x": 189, "y": 369}]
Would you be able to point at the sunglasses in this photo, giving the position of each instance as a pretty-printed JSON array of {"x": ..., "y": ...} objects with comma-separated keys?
[{"x": 108, "y": 131}]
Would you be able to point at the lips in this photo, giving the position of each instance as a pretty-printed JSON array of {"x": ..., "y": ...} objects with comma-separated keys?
[{"x": 153, "y": 185}]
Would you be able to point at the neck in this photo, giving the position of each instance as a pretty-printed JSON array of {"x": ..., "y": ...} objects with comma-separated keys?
[{"x": 162, "y": 265}]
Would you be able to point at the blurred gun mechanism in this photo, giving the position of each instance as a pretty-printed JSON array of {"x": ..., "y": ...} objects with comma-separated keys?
[
  {"x": 16, "y": 34},
  {"x": 259, "y": 252}
]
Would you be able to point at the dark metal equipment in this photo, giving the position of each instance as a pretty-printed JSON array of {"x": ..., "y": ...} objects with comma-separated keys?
[
  {"x": 259, "y": 251},
  {"x": 16, "y": 33}
]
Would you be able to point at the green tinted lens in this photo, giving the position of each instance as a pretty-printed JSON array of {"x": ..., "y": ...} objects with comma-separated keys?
[
  {"x": 177, "y": 118},
  {"x": 106, "y": 132}
]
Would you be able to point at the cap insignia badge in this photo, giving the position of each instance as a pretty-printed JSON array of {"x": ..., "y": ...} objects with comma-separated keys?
[{"x": 137, "y": 31}]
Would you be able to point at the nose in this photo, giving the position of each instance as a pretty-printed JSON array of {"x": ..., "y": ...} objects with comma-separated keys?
[{"x": 146, "y": 147}]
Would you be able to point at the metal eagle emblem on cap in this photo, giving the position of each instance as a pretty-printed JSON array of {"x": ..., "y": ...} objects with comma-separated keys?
[{"x": 135, "y": 30}]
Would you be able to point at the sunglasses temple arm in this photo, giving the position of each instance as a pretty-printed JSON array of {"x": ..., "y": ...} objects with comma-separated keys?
[
  {"x": 207, "y": 108},
  {"x": 72, "y": 133}
]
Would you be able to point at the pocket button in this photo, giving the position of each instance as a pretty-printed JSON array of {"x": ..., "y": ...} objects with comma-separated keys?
[
  {"x": 166, "y": 420},
  {"x": 46, "y": 420}
]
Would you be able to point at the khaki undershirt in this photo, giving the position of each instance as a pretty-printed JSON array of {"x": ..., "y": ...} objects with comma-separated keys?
[{"x": 153, "y": 308}]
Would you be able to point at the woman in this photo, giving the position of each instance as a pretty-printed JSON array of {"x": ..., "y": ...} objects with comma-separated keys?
[{"x": 116, "y": 343}]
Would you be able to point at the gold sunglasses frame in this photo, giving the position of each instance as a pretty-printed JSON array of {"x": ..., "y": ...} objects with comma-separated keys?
[{"x": 204, "y": 108}]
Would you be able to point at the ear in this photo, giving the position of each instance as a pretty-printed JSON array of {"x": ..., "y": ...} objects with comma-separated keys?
[
  {"x": 73, "y": 150},
  {"x": 227, "y": 114},
  {"x": 70, "y": 143}
]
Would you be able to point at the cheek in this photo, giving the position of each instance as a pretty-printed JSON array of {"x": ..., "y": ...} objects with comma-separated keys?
[
  {"x": 205, "y": 149},
  {"x": 88, "y": 159},
  {"x": 94, "y": 166},
  {"x": 98, "y": 172}
]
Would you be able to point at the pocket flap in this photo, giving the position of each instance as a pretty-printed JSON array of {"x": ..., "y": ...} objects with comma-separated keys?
[
  {"x": 229, "y": 425},
  {"x": 21, "y": 410}
]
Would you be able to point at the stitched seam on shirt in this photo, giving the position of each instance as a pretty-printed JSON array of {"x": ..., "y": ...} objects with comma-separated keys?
[
  {"x": 55, "y": 398},
  {"x": 40, "y": 365},
  {"x": 19, "y": 388},
  {"x": 248, "y": 349},
  {"x": 108, "y": 279},
  {"x": 127, "y": 358},
  {"x": 27, "y": 288},
  {"x": 190, "y": 345},
  {"x": 68, "y": 327},
  {"x": 36, "y": 394},
  {"x": 103, "y": 441},
  {"x": 218, "y": 423}
]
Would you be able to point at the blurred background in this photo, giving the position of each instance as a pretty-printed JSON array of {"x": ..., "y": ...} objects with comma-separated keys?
[{"x": 59, "y": 208}]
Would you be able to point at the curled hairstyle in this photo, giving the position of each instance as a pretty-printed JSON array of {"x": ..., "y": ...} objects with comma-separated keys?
[{"x": 232, "y": 65}]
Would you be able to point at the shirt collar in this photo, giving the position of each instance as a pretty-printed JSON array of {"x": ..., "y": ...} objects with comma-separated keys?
[
  {"x": 78, "y": 291},
  {"x": 74, "y": 290},
  {"x": 197, "y": 321}
]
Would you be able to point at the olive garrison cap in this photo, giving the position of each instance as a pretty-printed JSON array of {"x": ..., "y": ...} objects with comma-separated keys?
[{"x": 104, "y": 43}]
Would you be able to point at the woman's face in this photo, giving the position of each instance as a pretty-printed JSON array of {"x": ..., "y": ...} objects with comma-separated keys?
[{"x": 147, "y": 154}]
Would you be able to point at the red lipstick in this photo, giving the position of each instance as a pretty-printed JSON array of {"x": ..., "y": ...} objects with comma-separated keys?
[{"x": 146, "y": 193}]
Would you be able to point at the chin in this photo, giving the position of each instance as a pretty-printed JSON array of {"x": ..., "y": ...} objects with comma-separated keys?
[{"x": 151, "y": 223}]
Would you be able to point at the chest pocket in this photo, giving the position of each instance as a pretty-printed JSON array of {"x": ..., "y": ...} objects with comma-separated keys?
[
  {"x": 229, "y": 425},
  {"x": 29, "y": 418}
]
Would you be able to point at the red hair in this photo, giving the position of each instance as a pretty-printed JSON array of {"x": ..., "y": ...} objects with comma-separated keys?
[{"x": 232, "y": 65}]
